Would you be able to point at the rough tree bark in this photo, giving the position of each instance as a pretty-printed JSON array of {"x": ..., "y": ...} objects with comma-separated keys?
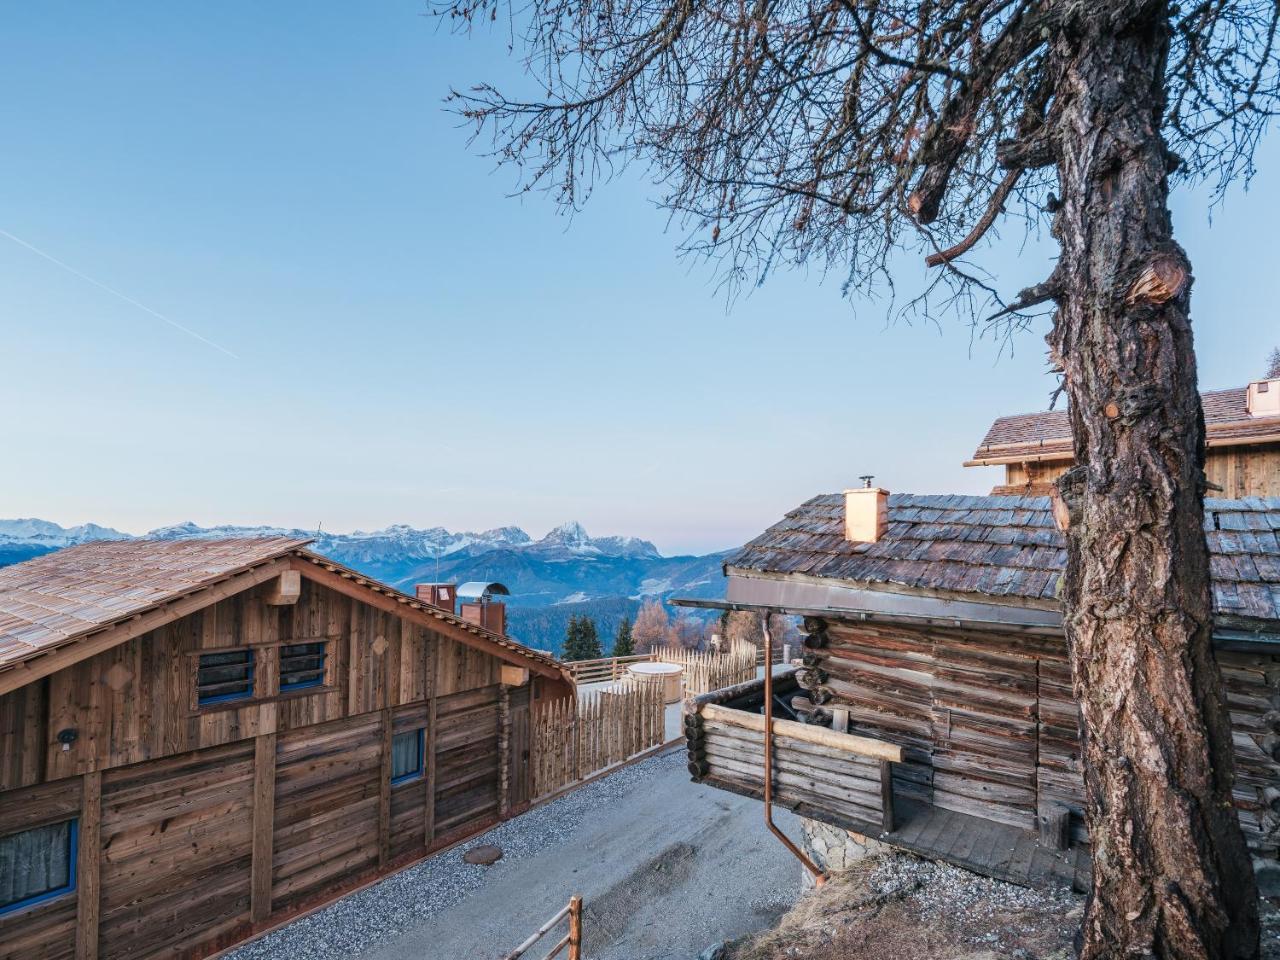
[{"x": 1171, "y": 875}]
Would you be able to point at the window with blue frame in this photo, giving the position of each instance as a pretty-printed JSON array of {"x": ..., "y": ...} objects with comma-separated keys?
[
  {"x": 37, "y": 865},
  {"x": 301, "y": 665},
  {"x": 407, "y": 755},
  {"x": 225, "y": 675}
]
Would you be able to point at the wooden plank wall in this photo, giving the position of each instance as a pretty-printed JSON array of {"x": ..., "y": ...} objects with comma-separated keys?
[
  {"x": 197, "y": 823},
  {"x": 1249, "y": 471},
  {"x": 177, "y": 841},
  {"x": 328, "y": 784},
  {"x": 990, "y": 726},
  {"x": 467, "y": 758}
]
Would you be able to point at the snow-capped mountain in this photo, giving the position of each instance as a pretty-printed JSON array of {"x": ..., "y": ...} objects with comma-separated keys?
[
  {"x": 567, "y": 565},
  {"x": 566, "y": 571}
]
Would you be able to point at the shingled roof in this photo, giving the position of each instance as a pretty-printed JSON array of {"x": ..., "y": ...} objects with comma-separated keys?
[
  {"x": 1047, "y": 435},
  {"x": 62, "y": 597},
  {"x": 1005, "y": 548}
]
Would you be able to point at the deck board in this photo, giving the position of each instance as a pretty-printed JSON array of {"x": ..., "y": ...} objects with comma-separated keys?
[{"x": 988, "y": 848}]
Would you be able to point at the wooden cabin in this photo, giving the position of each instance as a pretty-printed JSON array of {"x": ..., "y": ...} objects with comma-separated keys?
[
  {"x": 934, "y": 626},
  {"x": 1242, "y": 432},
  {"x": 201, "y": 738}
]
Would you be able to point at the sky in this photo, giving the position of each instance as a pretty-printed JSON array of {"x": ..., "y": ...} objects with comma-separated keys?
[{"x": 252, "y": 272}]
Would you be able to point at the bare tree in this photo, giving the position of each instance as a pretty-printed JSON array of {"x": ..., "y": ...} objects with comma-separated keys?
[
  {"x": 1273, "y": 364},
  {"x": 652, "y": 626},
  {"x": 841, "y": 131}
]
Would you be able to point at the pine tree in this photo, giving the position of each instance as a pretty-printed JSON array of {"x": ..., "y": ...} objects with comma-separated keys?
[
  {"x": 581, "y": 640},
  {"x": 590, "y": 639},
  {"x": 622, "y": 644}
]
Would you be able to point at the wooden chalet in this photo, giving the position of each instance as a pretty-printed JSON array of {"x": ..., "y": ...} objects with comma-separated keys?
[
  {"x": 935, "y": 650},
  {"x": 1242, "y": 427},
  {"x": 201, "y": 738}
]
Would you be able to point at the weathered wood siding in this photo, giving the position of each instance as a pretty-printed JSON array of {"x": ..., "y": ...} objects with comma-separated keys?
[
  {"x": 199, "y": 823},
  {"x": 990, "y": 726},
  {"x": 176, "y": 844},
  {"x": 328, "y": 785},
  {"x": 467, "y": 758},
  {"x": 1249, "y": 471}
]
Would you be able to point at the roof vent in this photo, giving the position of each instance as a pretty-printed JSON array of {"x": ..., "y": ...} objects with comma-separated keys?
[
  {"x": 1264, "y": 398},
  {"x": 866, "y": 513}
]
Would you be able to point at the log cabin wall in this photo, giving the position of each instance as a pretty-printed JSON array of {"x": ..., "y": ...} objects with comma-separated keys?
[
  {"x": 990, "y": 727},
  {"x": 197, "y": 824}
]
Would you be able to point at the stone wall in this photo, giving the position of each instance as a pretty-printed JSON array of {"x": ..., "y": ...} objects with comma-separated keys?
[{"x": 835, "y": 850}]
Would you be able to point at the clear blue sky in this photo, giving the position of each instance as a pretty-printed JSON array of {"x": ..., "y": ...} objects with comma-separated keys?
[{"x": 413, "y": 346}]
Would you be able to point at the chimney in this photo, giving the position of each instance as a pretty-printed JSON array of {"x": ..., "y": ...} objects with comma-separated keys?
[
  {"x": 866, "y": 513},
  {"x": 441, "y": 595},
  {"x": 1264, "y": 398}
]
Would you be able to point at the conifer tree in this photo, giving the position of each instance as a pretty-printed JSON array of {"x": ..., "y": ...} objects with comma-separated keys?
[{"x": 622, "y": 644}]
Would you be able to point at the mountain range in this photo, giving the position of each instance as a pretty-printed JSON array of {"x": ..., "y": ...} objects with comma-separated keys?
[{"x": 567, "y": 570}]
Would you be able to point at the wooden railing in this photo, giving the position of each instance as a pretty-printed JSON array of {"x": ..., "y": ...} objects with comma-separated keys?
[
  {"x": 573, "y": 739},
  {"x": 612, "y": 669},
  {"x": 572, "y": 939},
  {"x": 604, "y": 670},
  {"x": 840, "y": 777}
]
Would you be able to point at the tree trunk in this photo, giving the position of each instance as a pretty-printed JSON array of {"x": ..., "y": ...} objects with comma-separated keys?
[{"x": 1171, "y": 873}]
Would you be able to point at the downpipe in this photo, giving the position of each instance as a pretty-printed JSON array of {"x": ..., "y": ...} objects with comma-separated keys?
[{"x": 819, "y": 878}]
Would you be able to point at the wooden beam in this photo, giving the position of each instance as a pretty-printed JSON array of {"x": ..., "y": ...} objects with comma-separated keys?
[
  {"x": 113, "y": 635},
  {"x": 362, "y": 589},
  {"x": 429, "y": 809},
  {"x": 286, "y": 590},
  {"x": 384, "y": 792},
  {"x": 821, "y": 736},
  {"x": 88, "y": 885},
  {"x": 886, "y": 795},
  {"x": 264, "y": 810},
  {"x": 514, "y": 676}
]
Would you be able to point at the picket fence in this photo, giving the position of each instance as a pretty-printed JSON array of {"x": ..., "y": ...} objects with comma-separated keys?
[
  {"x": 574, "y": 741},
  {"x": 704, "y": 672}
]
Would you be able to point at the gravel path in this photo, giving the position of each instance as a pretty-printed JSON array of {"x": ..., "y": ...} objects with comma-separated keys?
[{"x": 639, "y": 845}]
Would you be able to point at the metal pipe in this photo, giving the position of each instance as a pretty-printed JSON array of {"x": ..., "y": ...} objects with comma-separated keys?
[{"x": 819, "y": 878}]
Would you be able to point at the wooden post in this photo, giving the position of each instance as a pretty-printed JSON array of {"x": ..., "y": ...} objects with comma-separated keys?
[
  {"x": 384, "y": 792},
  {"x": 886, "y": 794},
  {"x": 429, "y": 818},
  {"x": 575, "y": 928},
  {"x": 88, "y": 888},
  {"x": 264, "y": 813},
  {"x": 1055, "y": 827},
  {"x": 504, "y": 751}
]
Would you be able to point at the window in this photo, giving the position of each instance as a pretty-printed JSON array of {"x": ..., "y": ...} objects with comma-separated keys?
[
  {"x": 406, "y": 756},
  {"x": 224, "y": 676},
  {"x": 301, "y": 665},
  {"x": 37, "y": 865}
]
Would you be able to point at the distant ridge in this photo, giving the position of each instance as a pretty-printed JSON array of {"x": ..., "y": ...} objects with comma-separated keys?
[{"x": 566, "y": 571}]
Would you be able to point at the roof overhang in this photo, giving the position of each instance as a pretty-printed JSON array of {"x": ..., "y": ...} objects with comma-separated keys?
[{"x": 795, "y": 596}]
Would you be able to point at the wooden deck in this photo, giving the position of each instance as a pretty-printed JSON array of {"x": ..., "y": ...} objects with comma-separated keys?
[{"x": 982, "y": 846}]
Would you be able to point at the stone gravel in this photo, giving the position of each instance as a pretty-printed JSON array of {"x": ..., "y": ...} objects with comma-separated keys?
[{"x": 380, "y": 912}]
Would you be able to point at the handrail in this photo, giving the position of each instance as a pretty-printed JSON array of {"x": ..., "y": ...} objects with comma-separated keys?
[
  {"x": 820, "y": 736},
  {"x": 572, "y": 939}
]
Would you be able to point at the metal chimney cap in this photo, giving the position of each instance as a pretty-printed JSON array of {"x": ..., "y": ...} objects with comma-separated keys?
[
  {"x": 482, "y": 591},
  {"x": 866, "y": 479}
]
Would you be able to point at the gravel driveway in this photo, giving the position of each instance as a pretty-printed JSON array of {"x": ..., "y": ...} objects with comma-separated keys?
[{"x": 666, "y": 868}]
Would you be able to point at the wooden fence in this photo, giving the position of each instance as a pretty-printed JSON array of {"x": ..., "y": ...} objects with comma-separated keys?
[
  {"x": 704, "y": 672},
  {"x": 609, "y": 669},
  {"x": 574, "y": 741}
]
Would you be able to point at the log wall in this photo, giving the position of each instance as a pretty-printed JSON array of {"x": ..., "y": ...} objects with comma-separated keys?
[
  {"x": 201, "y": 824},
  {"x": 989, "y": 723}
]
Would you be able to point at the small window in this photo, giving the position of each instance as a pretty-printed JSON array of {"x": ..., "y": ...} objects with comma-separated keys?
[
  {"x": 301, "y": 665},
  {"x": 224, "y": 676},
  {"x": 37, "y": 865},
  {"x": 406, "y": 756}
]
